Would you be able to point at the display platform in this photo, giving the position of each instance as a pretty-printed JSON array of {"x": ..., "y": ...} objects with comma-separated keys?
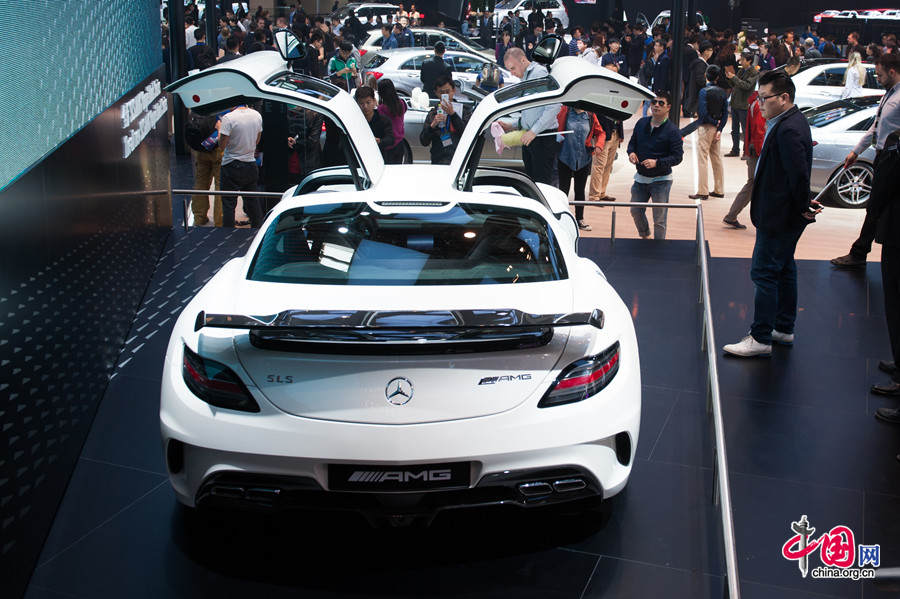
[{"x": 801, "y": 441}]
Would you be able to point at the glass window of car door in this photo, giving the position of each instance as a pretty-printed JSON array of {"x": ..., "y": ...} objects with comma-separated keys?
[
  {"x": 420, "y": 37},
  {"x": 831, "y": 77},
  {"x": 467, "y": 64},
  {"x": 871, "y": 80},
  {"x": 413, "y": 64}
]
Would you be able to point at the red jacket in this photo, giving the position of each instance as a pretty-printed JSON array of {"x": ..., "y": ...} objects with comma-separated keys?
[
  {"x": 756, "y": 126},
  {"x": 597, "y": 136}
]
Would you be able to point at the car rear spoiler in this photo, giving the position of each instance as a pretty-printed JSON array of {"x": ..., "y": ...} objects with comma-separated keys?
[{"x": 445, "y": 320}]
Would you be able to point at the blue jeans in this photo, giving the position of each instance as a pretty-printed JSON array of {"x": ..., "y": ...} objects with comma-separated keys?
[
  {"x": 774, "y": 275},
  {"x": 657, "y": 192}
]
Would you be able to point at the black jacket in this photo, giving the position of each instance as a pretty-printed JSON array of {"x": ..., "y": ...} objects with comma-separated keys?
[
  {"x": 432, "y": 69},
  {"x": 696, "y": 80},
  {"x": 663, "y": 143},
  {"x": 441, "y": 154},
  {"x": 884, "y": 201},
  {"x": 781, "y": 185},
  {"x": 382, "y": 130}
]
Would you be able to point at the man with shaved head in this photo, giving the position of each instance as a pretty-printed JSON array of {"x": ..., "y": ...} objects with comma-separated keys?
[{"x": 538, "y": 153}]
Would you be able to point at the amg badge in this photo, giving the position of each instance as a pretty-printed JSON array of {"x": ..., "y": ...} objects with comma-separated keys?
[
  {"x": 490, "y": 380},
  {"x": 387, "y": 479}
]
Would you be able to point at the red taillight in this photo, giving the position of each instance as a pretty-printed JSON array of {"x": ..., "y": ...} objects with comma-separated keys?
[
  {"x": 323, "y": 127},
  {"x": 362, "y": 51},
  {"x": 376, "y": 74},
  {"x": 815, "y": 143},
  {"x": 215, "y": 383},
  {"x": 583, "y": 378}
]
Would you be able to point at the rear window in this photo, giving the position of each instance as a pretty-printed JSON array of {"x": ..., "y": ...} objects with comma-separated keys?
[
  {"x": 372, "y": 60},
  {"x": 349, "y": 244}
]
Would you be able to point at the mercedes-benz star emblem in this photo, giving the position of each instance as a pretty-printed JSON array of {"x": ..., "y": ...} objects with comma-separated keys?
[{"x": 399, "y": 391}]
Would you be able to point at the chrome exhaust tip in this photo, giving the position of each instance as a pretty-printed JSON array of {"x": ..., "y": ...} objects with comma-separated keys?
[
  {"x": 567, "y": 485},
  {"x": 535, "y": 489}
]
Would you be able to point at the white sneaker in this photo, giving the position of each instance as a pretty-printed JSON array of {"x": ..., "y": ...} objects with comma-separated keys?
[
  {"x": 748, "y": 347},
  {"x": 782, "y": 338}
]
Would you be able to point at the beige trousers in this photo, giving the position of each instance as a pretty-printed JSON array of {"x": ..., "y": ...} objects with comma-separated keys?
[
  {"x": 601, "y": 167},
  {"x": 206, "y": 169},
  {"x": 709, "y": 150}
]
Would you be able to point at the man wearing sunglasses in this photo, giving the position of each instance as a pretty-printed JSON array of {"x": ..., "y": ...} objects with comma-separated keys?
[
  {"x": 654, "y": 148},
  {"x": 780, "y": 209}
]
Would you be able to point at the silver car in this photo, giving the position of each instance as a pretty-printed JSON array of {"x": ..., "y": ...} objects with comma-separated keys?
[
  {"x": 402, "y": 66},
  {"x": 427, "y": 37},
  {"x": 822, "y": 80},
  {"x": 414, "y": 120},
  {"x": 836, "y": 128}
]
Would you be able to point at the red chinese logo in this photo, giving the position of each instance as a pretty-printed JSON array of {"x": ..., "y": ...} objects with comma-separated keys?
[{"x": 836, "y": 547}]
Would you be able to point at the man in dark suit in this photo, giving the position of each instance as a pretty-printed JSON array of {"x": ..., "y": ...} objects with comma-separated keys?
[
  {"x": 433, "y": 68},
  {"x": 886, "y": 205},
  {"x": 780, "y": 209},
  {"x": 696, "y": 79}
]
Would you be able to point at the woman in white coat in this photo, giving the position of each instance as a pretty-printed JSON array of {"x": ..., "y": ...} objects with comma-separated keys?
[{"x": 854, "y": 77}]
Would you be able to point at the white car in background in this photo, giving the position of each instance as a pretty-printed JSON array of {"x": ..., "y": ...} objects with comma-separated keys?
[
  {"x": 822, "y": 80},
  {"x": 836, "y": 128},
  {"x": 404, "y": 339},
  {"x": 427, "y": 37},
  {"x": 403, "y": 67},
  {"x": 553, "y": 9}
]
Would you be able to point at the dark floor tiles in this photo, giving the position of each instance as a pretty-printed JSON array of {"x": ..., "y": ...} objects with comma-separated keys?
[
  {"x": 688, "y": 435},
  {"x": 41, "y": 593},
  {"x": 676, "y": 363},
  {"x": 126, "y": 428},
  {"x": 656, "y": 406},
  {"x": 665, "y": 516},
  {"x": 152, "y": 550},
  {"x": 756, "y": 590},
  {"x": 798, "y": 375},
  {"x": 882, "y": 526},
  {"x": 624, "y": 579},
  {"x": 96, "y": 492},
  {"x": 763, "y": 511},
  {"x": 803, "y": 443}
]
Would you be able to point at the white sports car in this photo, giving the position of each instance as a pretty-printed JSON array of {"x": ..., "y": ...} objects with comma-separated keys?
[{"x": 399, "y": 340}]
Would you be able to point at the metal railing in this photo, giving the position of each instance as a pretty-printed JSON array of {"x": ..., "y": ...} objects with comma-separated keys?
[
  {"x": 216, "y": 192},
  {"x": 721, "y": 486}
]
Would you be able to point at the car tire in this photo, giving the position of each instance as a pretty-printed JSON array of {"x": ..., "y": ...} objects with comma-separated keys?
[
  {"x": 853, "y": 187},
  {"x": 407, "y": 153}
]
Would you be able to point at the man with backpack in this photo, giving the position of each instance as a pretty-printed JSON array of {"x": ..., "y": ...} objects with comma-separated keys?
[
  {"x": 201, "y": 134},
  {"x": 711, "y": 121}
]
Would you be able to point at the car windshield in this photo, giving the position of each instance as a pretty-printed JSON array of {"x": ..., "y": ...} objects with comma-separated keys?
[
  {"x": 831, "y": 112},
  {"x": 350, "y": 244}
]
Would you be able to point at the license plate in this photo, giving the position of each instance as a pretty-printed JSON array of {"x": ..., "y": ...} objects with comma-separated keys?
[{"x": 394, "y": 479}]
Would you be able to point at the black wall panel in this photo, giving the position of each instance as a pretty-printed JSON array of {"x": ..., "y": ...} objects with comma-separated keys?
[{"x": 77, "y": 252}]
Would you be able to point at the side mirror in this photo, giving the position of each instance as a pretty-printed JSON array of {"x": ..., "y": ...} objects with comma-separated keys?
[
  {"x": 288, "y": 45},
  {"x": 547, "y": 50}
]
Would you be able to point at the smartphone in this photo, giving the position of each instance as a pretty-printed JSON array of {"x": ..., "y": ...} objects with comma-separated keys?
[{"x": 445, "y": 98}]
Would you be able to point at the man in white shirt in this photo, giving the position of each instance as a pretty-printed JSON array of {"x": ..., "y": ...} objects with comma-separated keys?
[
  {"x": 189, "y": 28},
  {"x": 239, "y": 134}
]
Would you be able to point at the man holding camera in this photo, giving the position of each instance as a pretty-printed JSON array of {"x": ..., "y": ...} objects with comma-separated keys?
[{"x": 443, "y": 124}]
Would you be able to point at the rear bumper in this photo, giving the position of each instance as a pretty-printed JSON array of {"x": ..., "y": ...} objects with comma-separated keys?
[
  {"x": 594, "y": 439},
  {"x": 532, "y": 479}
]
